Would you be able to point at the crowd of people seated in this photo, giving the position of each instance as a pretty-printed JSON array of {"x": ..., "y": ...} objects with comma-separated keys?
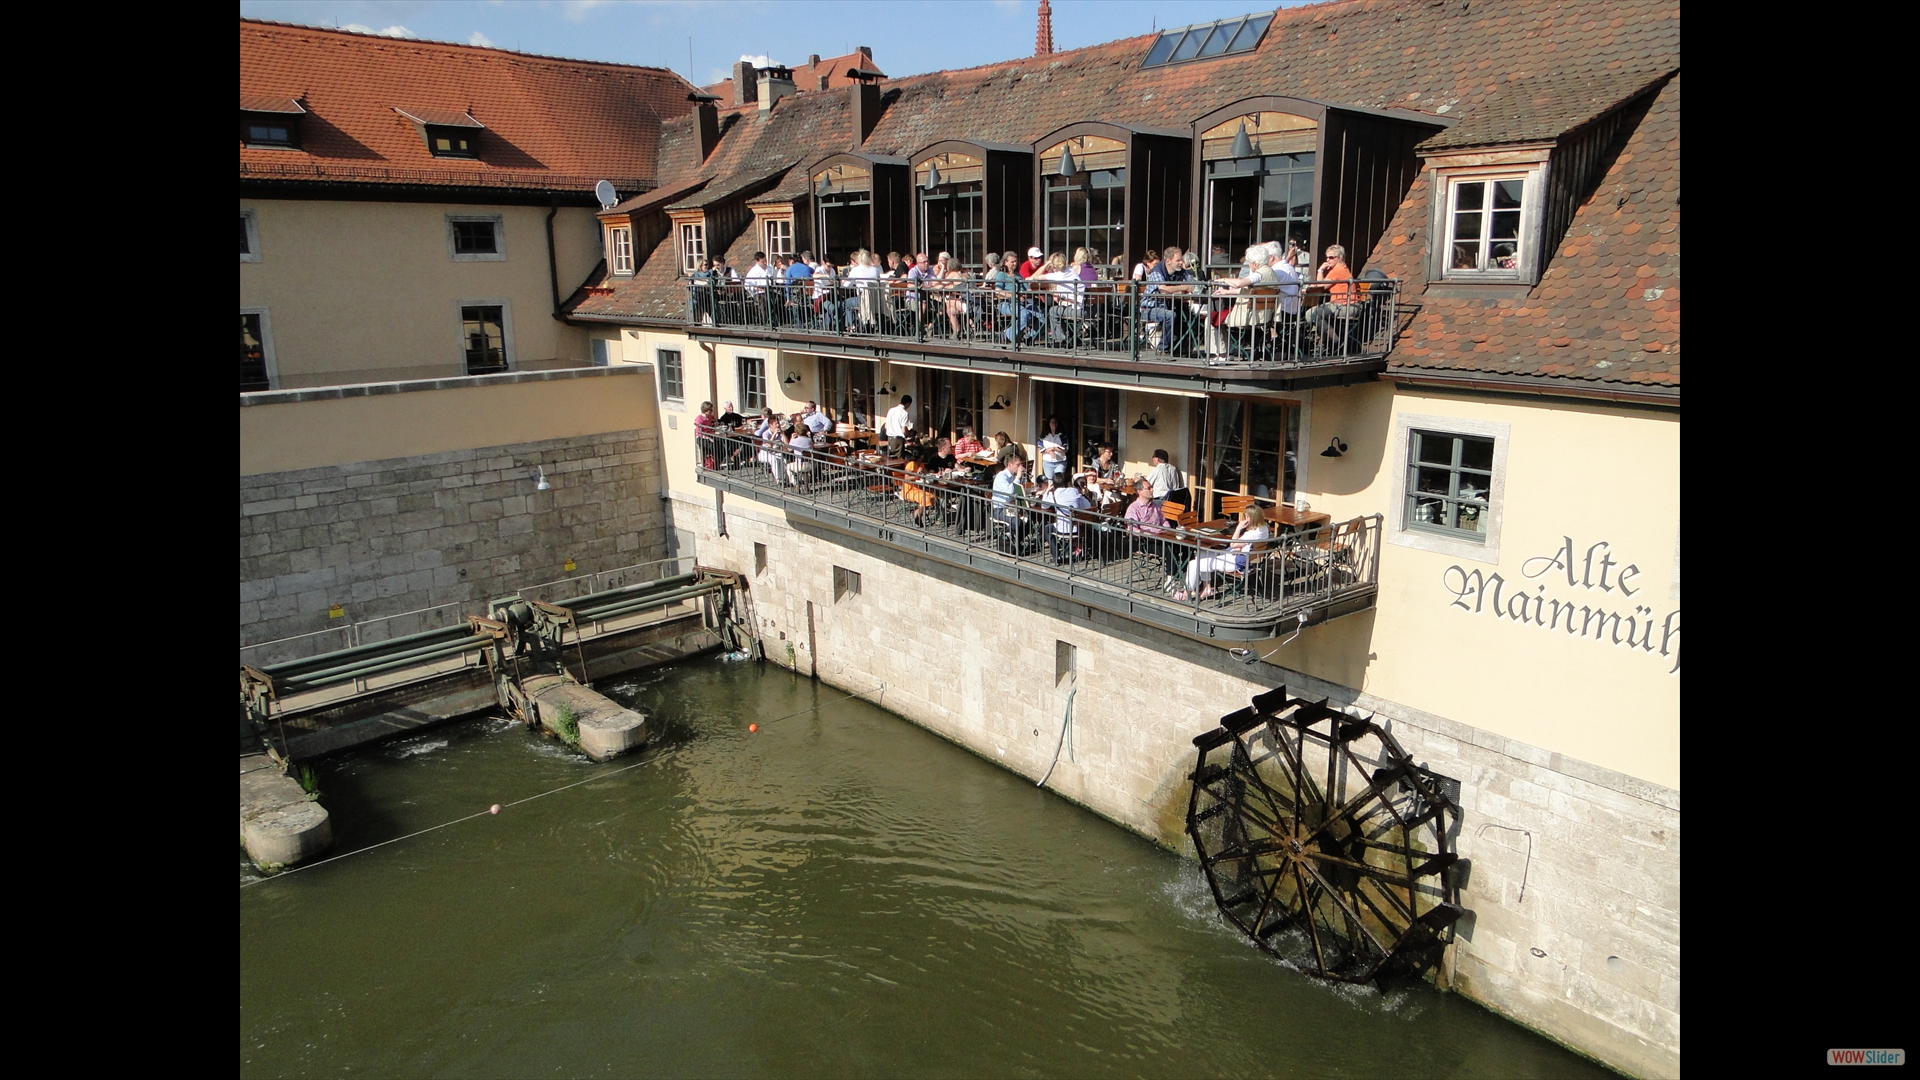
[{"x": 1269, "y": 309}]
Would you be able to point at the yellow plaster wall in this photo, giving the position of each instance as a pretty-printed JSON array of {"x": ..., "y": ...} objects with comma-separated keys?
[
  {"x": 1589, "y": 472},
  {"x": 338, "y": 431},
  {"x": 368, "y": 291}
]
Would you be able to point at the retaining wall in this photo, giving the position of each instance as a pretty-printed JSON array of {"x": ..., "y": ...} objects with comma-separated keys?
[{"x": 1590, "y": 955}]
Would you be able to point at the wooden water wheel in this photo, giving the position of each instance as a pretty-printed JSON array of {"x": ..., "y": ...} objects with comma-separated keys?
[{"x": 1323, "y": 842}]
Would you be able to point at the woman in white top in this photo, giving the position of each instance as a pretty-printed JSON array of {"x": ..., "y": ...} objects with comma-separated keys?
[
  {"x": 864, "y": 276},
  {"x": 1252, "y": 528},
  {"x": 1065, "y": 286},
  {"x": 1067, "y": 498}
]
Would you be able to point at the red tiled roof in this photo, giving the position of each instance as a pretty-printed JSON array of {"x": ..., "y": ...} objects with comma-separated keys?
[
  {"x": 806, "y": 77},
  {"x": 1607, "y": 308},
  {"x": 549, "y": 123}
]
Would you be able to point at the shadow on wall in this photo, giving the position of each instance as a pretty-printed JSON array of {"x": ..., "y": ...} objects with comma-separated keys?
[{"x": 1361, "y": 418}]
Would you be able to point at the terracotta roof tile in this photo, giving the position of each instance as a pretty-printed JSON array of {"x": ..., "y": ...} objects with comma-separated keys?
[
  {"x": 1617, "y": 264},
  {"x": 549, "y": 123}
]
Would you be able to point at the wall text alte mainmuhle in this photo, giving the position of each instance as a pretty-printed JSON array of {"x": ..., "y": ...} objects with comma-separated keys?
[{"x": 1593, "y": 572}]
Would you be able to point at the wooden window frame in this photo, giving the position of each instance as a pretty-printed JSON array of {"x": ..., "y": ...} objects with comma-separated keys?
[
  {"x": 250, "y": 222},
  {"x": 691, "y": 240},
  {"x": 506, "y": 332},
  {"x": 676, "y": 390},
  {"x": 499, "y": 252},
  {"x": 1205, "y": 469},
  {"x": 1527, "y": 166},
  {"x": 1483, "y": 547},
  {"x": 620, "y": 249},
  {"x": 744, "y": 380}
]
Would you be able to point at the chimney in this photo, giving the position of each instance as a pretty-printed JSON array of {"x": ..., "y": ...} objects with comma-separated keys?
[
  {"x": 813, "y": 60},
  {"x": 1043, "y": 36},
  {"x": 706, "y": 122},
  {"x": 775, "y": 83},
  {"x": 866, "y": 103},
  {"x": 744, "y": 91},
  {"x": 865, "y": 51}
]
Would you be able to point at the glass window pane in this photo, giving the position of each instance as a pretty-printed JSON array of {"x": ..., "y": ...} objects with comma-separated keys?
[
  {"x": 1161, "y": 50},
  {"x": 1506, "y": 194},
  {"x": 1249, "y": 36},
  {"x": 1506, "y": 225},
  {"x": 1427, "y": 511},
  {"x": 1302, "y": 196},
  {"x": 243, "y": 235},
  {"x": 1469, "y": 196},
  {"x": 1466, "y": 226},
  {"x": 1475, "y": 453},
  {"x": 1217, "y": 41},
  {"x": 1190, "y": 45},
  {"x": 1437, "y": 449},
  {"x": 1273, "y": 196},
  {"x": 1433, "y": 481}
]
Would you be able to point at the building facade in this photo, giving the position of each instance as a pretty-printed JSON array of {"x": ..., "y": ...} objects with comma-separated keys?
[
  {"x": 413, "y": 209},
  {"x": 1486, "y": 419},
  {"x": 1512, "y": 433}
]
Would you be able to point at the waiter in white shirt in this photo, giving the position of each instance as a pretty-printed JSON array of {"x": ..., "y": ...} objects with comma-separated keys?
[
  {"x": 817, "y": 422},
  {"x": 899, "y": 423}
]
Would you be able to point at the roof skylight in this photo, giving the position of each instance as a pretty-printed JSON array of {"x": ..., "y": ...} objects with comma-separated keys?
[{"x": 1208, "y": 40}]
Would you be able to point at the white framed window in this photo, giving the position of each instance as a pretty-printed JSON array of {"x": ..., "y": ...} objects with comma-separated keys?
[
  {"x": 620, "y": 249},
  {"x": 486, "y": 335},
  {"x": 753, "y": 383},
  {"x": 1449, "y": 485},
  {"x": 693, "y": 246},
  {"x": 257, "y": 370},
  {"x": 476, "y": 237},
  {"x": 779, "y": 237},
  {"x": 1488, "y": 223},
  {"x": 673, "y": 386},
  {"x": 249, "y": 237}
]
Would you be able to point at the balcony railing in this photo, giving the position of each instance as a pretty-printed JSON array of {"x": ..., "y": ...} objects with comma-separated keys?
[
  {"x": 1284, "y": 326},
  {"x": 1245, "y": 591}
]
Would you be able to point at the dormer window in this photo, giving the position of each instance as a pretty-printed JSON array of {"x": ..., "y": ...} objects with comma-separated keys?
[
  {"x": 269, "y": 123},
  {"x": 1488, "y": 222},
  {"x": 448, "y": 133},
  {"x": 1207, "y": 40}
]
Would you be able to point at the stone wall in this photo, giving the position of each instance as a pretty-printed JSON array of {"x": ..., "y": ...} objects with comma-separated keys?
[
  {"x": 379, "y": 538},
  {"x": 1589, "y": 955}
]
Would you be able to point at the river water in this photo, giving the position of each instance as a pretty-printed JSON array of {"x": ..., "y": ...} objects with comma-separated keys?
[{"x": 841, "y": 894}]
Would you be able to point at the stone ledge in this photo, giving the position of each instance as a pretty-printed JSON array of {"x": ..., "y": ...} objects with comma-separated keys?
[{"x": 347, "y": 390}]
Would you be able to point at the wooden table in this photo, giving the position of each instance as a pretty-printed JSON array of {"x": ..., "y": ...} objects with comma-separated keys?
[{"x": 1296, "y": 520}]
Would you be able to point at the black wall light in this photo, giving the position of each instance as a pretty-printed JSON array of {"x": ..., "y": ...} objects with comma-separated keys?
[
  {"x": 999, "y": 402},
  {"x": 1144, "y": 423},
  {"x": 792, "y": 377},
  {"x": 1334, "y": 448}
]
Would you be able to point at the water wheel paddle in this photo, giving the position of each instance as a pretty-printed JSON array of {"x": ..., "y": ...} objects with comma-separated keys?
[{"x": 1323, "y": 842}]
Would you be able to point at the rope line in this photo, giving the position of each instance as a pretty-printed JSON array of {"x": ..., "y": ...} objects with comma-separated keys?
[{"x": 518, "y": 802}]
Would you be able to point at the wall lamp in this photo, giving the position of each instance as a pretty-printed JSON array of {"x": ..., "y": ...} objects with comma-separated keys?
[
  {"x": 933, "y": 175},
  {"x": 792, "y": 377},
  {"x": 1242, "y": 146},
  {"x": 999, "y": 402},
  {"x": 1334, "y": 448},
  {"x": 1144, "y": 423},
  {"x": 884, "y": 389},
  {"x": 540, "y": 483}
]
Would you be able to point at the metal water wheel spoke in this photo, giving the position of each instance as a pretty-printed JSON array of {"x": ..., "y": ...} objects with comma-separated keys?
[{"x": 1308, "y": 818}]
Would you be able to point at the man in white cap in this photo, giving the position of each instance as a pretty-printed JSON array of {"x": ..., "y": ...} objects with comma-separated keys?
[{"x": 1035, "y": 259}]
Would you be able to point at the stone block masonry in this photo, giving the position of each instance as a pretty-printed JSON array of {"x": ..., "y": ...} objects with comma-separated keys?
[
  {"x": 1589, "y": 955},
  {"x": 380, "y": 538}
]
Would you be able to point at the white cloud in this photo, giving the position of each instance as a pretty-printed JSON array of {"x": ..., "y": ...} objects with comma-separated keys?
[
  {"x": 576, "y": 10},
  {"x": 395, "y": 31},
  {"x": 480, "y": 39},
  {"x": 759, "y": 61}
]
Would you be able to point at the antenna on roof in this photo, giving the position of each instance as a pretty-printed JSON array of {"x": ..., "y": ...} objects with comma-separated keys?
[{"x": 605, "y": 193}]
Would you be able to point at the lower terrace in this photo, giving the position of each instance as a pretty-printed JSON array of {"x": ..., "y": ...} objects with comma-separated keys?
[
  {"x": 1206, "y": 337},
  {"x": 1178, "y": 573}
]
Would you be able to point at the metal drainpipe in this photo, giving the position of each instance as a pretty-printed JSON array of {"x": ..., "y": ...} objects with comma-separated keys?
[{"x": 553, "y": 261}]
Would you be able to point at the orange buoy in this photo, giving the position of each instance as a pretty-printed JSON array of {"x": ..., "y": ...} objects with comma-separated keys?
[{"x": 753, "y": 727}]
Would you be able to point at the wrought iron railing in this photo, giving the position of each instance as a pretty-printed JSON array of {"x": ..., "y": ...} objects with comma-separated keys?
[
  {"x": 1202, "y": 575},
  {"x": 1204, "y": 322}
]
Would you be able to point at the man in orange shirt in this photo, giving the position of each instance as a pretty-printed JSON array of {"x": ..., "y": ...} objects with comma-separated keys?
[{"x": 1343, "y": 300}]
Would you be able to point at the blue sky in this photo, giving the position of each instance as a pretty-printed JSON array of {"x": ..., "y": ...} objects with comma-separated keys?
[{"x": 908, "y": 36}]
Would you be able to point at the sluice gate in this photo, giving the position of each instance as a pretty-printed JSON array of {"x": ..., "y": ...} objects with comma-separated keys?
[{"x": 534, "y": 653}]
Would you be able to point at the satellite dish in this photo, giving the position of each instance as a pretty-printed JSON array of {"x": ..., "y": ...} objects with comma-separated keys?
[{"x": 605, "y": 193}]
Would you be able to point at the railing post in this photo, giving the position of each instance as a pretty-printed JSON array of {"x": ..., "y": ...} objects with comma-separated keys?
[{"x": 1133, "y": 323}]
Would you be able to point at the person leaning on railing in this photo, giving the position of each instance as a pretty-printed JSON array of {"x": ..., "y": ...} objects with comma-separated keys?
[{"x": 1159, "y": 304}]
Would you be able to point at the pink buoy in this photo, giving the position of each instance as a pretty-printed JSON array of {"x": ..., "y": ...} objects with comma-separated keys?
[{"x": 494, "y": 809}]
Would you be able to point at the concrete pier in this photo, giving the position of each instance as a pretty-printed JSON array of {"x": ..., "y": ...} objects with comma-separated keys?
[
  {"x": 606, "y": 730},
  {"x": 279, "y": 825}
]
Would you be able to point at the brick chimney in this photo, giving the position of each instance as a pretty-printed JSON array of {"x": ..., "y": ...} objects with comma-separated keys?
[
  {"x": 706, "y": 122},
  {"x": 745, "y": 92},
  {"x": 775, "y": 83},
  {"x": 1043, "y": 35},
  {"x": 865, "y": 93}
]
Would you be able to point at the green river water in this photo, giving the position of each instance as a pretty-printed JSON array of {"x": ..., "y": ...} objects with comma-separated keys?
[{"x": 841, "y": 894}]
